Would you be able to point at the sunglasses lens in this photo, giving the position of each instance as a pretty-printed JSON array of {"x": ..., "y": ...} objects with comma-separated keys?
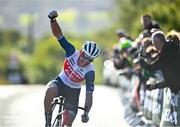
[{"x": 86, "y": 58}]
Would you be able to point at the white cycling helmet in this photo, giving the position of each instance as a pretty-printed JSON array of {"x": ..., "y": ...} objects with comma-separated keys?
[{"x": 91, "y": 49}]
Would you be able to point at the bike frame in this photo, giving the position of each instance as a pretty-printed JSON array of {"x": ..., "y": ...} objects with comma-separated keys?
[
  {"x": 59, "y": 117},
  {"x": 58, "y": 120}
]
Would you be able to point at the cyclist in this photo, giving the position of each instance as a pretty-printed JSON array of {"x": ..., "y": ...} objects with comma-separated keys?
[{"x": 77, "y": 67}]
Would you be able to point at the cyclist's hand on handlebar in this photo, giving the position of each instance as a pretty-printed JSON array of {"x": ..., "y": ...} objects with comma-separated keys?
[
  {"x": 52, "y": 15},
  {"x": 85, "y": 118}
]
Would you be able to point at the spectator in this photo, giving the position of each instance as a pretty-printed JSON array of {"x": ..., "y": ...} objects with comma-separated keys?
[
  {"x": 119, "y": 61},
  {"x": 149, "y": 27},
  {"x": 168, "y": 61},
  {"x": 148, "y": 23},
  {"x": 15, "y": 73},
  {"x": 120, "y": 50}
]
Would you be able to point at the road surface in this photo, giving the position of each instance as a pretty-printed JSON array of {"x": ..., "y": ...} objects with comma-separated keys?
[{"x": 22, "y": 106}]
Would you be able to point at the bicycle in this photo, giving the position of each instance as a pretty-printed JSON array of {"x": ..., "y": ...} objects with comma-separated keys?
[{"x": 57, "y": 122}]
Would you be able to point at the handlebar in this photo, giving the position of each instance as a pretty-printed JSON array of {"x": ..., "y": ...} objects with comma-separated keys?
[{"x": 60, "y": 102}]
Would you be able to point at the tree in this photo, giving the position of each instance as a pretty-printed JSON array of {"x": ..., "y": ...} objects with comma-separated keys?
[{"x": 164, "y": 11}]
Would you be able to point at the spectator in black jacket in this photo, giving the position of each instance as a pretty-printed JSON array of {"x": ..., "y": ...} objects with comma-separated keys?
[{"x": 168, "y": 61}]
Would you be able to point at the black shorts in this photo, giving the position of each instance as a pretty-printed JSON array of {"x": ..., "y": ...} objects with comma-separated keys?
[{"x": 71, "y": 95}]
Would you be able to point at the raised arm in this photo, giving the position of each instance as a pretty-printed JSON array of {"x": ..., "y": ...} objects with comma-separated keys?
[
  {"x": 57, "y": 32},
  {"x": 56, "y": 29}
]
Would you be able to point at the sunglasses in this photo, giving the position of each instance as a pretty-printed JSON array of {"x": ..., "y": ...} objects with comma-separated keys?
[{"x": 86, "y": 58}]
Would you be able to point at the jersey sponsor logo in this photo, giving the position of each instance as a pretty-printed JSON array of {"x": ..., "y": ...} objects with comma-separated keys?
[{"x": 73, "y": 74}]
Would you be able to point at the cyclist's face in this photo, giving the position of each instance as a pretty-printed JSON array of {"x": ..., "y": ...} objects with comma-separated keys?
[{"x": 84, "y": 60}]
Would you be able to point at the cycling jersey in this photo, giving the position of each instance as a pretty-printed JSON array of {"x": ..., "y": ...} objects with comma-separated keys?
[{"x": 72, "y": 75}]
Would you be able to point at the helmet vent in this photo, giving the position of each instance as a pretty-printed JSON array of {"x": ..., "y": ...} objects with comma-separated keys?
[
  {"x": 96, "y": 52},
  {"x": 85, "y": 47},
  {"x": 94, "y": 48},
  {"x": 89, "y": 47}
]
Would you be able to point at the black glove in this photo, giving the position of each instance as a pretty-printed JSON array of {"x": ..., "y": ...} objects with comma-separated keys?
[
  {"x": 52, "y": 15},
  {"x": 85, "y": 118}
]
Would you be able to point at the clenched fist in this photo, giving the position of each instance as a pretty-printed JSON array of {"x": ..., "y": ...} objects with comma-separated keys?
[
  {"x": 84, "y": 118},
  {"x": 52, "y": 15}
]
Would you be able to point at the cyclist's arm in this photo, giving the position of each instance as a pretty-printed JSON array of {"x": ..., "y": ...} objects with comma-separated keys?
[
  {"x": 90, "y": 76},
  {"x": 68, "y": 47},
  {"x": 56, "y": 29},
  {"x": 57, "y": 32}
]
